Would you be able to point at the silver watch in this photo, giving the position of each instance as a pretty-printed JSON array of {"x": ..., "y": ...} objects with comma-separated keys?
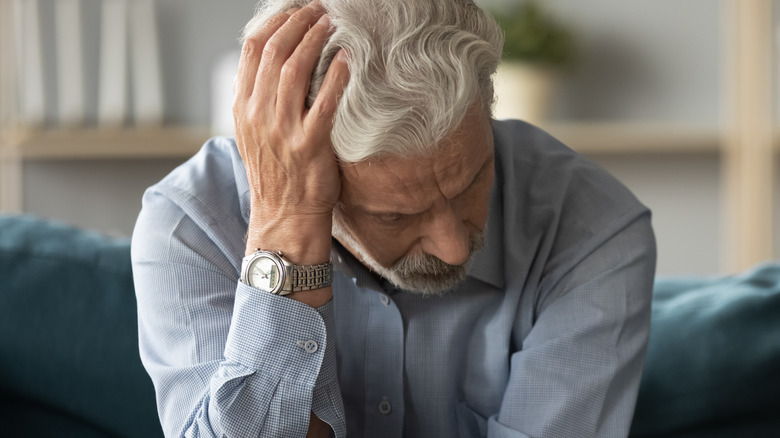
[{"x": 270, "y": 272}]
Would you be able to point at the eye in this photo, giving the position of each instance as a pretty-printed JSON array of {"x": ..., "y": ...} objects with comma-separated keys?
[
  {"x": 390, "y": 218},
  {"x": 481, "y": 175},
  {"x": 479, "y": 178}
]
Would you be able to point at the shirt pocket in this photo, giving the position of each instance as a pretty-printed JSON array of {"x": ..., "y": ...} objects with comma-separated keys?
[{"x": 471, "y": 424}]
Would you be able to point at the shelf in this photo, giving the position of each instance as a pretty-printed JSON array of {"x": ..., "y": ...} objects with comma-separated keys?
[
  {"x": 630, "y": 138},
  {"x": 177, "y": 142},
  {"x": 30, "y": 144},
  {"x": 636, "y": 138}
]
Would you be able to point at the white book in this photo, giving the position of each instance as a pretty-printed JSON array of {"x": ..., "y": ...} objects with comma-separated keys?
[
  {"x": 145, "y": 63},
  {"x": 27, "y": 32},
  {"x": 17, "y": 22},
  {"x": 8, "y": 84},
  {"x": 112, "y": 94},
  {"x": 70, "y": 79},
  {"x": 222, "y": 79}
]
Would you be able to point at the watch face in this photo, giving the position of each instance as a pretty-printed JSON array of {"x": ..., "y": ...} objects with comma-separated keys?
[{"x": 265, "y": 274}]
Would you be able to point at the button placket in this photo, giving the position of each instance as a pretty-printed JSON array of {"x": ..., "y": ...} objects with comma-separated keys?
[{"x": 384, "y": 352}]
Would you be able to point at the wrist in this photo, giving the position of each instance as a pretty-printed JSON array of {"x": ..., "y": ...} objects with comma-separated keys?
[
  {"x": 304, "y": 240},
  {"x": 301, "y": 242}
]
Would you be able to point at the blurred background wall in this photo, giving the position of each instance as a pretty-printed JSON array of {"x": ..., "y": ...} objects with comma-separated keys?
[{"x": 655, "y": 62}]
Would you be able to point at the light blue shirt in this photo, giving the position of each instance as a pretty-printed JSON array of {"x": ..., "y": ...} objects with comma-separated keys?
[{"x": 545, "y": 338}]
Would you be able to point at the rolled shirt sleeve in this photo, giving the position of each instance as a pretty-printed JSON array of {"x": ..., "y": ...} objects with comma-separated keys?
[{"x": 225, "y": 359}]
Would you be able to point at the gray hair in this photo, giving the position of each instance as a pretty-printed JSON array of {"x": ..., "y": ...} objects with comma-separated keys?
[{"x": 416, "y": 67}]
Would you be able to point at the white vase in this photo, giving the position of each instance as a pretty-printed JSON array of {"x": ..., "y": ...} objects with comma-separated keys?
[{"x": 524, "y": 91}]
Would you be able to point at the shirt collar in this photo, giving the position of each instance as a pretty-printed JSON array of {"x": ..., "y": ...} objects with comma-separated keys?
[
  {"x": 346, "y": 263},
  {"x": 488, "y": 264}
]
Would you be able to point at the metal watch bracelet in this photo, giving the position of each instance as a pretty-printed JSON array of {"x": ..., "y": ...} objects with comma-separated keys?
[{"x": 309, "y": 277}]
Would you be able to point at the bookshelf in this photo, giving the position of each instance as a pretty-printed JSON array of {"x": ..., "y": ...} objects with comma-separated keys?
[
  {"x": 169, "y": 142},
  {"x": 20, "y": 145}
]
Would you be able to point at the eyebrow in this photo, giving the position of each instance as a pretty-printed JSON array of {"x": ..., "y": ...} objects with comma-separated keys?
[{"x": 477, "y": 177}]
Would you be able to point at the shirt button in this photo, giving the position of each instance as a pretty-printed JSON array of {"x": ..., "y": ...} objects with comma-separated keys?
[
  {"x": 384, "y": 406},
  {"x": 310, "y": 347},
  {"x": 385, "y": 300}
]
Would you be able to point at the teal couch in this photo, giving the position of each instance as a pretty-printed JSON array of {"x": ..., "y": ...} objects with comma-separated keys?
[{"x": 69, "y": 363}]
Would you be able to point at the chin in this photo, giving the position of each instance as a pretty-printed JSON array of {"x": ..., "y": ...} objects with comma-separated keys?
[
  {"x": 430, "y": 284},
  {"x": 421, "y": 273}
]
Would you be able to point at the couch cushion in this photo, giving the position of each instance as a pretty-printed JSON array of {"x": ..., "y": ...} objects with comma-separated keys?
[
  {"x": 69, "y": 363},
  {"x": 713, "y": 362}
]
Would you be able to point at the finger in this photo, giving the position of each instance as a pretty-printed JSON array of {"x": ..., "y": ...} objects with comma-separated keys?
[
  {"x": 319, "y": 119},
  {"x": 279, "y": 48},
  {"x": 251, "y": 54},
  {"x": 296, "y": 73}
]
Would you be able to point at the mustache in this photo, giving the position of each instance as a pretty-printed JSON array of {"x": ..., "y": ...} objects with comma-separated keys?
[{"x": 431, "y": 266}]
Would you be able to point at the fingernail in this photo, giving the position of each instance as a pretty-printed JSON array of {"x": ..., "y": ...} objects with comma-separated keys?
[
  {"x": 342, "y": 55},
  {"x": 324, "y": 20}
]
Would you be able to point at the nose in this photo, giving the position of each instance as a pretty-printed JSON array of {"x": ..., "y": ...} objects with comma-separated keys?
[{"x": 446, "y": 237}]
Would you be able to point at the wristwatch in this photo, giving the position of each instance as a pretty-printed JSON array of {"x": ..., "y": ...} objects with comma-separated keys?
[{"x": 271, "y": 272}]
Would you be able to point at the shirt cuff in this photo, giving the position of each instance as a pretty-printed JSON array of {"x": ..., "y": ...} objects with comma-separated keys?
[{"x": 276, "y": 335}]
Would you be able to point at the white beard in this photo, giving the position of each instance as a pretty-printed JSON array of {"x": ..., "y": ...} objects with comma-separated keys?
[{"x": 421, "y": 273}]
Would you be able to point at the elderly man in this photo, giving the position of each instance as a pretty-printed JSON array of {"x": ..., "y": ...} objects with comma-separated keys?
[{"x": 373, "y": 256}]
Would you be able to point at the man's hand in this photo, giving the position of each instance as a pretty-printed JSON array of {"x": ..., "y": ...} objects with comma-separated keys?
[{"x": 293, "y": 174}]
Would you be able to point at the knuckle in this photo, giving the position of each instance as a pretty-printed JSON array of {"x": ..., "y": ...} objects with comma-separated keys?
[
  {"x": 323, "y": 109},
  {"x": 278, "y": 20},
  {"x": 277, "y": 125},
  {"x": 250, "y": 47},
  {"x": 238, "y": 109},
  {"x": 271, "y": 49},
  {"x": 314, "y": 34},
  {"x": 252, "y": 113},
  {"x": 301, "y": 148},
  {"x": 292, "y": 70},
  {"x": 301, "y": 17},
  {"x": 247, "y": 110},
  {"x": 273, "y": 24}
]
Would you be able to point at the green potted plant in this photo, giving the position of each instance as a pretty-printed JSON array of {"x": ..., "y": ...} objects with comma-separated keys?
[{"x": 537, "y": 48}]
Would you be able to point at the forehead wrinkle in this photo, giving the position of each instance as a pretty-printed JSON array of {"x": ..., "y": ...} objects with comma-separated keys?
[
  {"x": 462, "y": 153},
  {"x": 389, "y": 185},
  {"x": 450, "y": 177},
  {"x": 413, "y": 185}
]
